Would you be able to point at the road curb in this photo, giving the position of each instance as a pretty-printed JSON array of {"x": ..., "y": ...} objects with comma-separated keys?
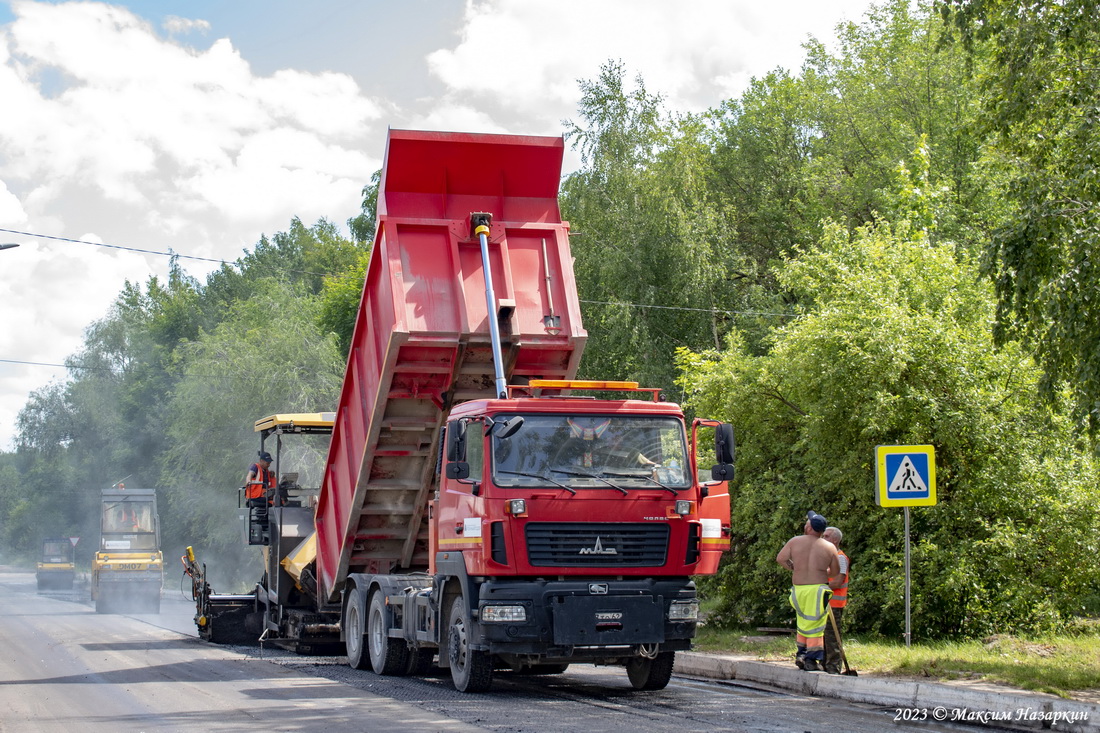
[{"x": 914, "y": 700}]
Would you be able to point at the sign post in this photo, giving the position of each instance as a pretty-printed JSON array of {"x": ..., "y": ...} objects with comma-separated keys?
[{"x": 905, "y": 476}]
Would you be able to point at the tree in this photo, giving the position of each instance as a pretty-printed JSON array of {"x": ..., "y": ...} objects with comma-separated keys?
[
  {"x": 264, "y": 358},
  {"x": 794, "y": 150},
  {"x": 362, "y": 226},
  {"x": 340, "y": 302},
  {"x": 116, "y": 416},
  {"x": 893, "y": 345},
  {"x": 1039, "y": 109},
  {"x": 651, "y": 262}
]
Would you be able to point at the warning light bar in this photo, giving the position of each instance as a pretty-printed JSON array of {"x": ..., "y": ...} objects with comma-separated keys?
[
  {"x": 536, "y": 386},
  {"x": 580, "y": 384}
]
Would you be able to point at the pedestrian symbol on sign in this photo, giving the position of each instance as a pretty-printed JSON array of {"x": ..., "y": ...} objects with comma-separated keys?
[{"x": 907, "y": 479}]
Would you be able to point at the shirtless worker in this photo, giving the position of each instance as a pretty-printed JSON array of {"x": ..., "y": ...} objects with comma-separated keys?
[{"x": 812, "y": 561}]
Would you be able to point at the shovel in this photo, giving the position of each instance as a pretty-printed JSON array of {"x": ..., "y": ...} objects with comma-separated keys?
[{"x": 843, "y": 657}]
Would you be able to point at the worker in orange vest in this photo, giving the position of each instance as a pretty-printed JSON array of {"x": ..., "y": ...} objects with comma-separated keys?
[
  {"x": 837, "y": 602},
  {"x": 260, "y": 481}
]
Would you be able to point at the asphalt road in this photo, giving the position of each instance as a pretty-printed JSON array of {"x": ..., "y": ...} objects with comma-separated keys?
[{"x": 65, "y": 668}]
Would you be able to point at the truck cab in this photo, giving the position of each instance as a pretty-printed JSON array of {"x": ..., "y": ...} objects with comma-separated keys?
[{"x": 571, "y": 528}]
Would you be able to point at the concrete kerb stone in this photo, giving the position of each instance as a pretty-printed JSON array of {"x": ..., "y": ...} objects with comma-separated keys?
[{"x": 1004, "y": 709}]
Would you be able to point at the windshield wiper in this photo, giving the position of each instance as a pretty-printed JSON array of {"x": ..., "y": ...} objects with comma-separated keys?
[
  {"x": 646, "y": 476},
  {"x": 570, "y": 489},
  {"x": 571, "y": 472}
]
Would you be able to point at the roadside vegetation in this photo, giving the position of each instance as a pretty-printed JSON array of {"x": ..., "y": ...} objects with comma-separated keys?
[{"x": 1067, "y": 665}]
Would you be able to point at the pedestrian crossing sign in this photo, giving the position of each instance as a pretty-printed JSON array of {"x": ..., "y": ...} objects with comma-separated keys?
[{"x": 905, "y": 475}]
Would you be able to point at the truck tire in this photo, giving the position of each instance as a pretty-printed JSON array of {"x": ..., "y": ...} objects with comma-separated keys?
[
  {"x": 388, "y": 656},
  {"x": 471, "y": 669},
  {"x": 355, "y": 625},
  {"x": 651, "y": 674}
]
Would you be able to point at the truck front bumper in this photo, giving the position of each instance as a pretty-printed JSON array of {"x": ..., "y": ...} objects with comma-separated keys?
[{"x": 589, "y": 618}]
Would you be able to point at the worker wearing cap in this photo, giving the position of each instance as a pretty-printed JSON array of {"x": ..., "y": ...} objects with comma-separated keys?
[
  {"x": 812, "y": 560},
  {"x": 839, "y": 600},
  {"x": 260, "y": 481}
]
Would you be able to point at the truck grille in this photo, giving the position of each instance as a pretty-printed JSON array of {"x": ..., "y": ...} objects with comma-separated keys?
[{"x": 606, "y": 544}]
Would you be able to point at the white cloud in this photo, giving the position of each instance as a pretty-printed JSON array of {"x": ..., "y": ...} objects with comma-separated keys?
[
  {"x": 176, "y": 25},
  {"x": 11, "y": 210},
  {"x": 145, "y": 122},
  {"x": 50, "y": 292},
  {"x": 153, "y": 144},
  {"x": 129, "y": 128},
  {"x": 525, "y": 58}
]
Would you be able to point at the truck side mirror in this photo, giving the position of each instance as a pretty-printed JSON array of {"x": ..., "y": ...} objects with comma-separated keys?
[
  {"x": 457, "y": 467},
  {"x": 724, "y": 450},
  {"x": 505, "y": 429}
]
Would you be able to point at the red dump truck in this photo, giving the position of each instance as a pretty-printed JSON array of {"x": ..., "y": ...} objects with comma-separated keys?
[{"x": 479, "y": 508}]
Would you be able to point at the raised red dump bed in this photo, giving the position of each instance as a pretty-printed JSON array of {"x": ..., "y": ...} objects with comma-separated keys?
[{"x": 422, "y": 336}]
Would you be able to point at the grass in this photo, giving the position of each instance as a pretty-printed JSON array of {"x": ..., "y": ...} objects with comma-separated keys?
[{"x": 1061, "y": 665}]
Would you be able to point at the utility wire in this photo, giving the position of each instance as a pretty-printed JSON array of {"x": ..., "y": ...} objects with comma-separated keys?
[
  {"x": 108, "y": 370},
  {"x": 697, "y": 310},
  {"x": 169, "y": 253}
]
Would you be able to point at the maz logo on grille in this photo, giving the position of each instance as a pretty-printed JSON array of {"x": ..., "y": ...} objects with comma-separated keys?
[{"x": 598, "y": 549}]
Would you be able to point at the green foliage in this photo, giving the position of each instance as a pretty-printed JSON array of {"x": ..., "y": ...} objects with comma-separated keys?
[
  {"x": 802, "y": 260},
  {"x": 652, "y": 267},
  {"x": 1040, "y": 112},
  {"x": 1059, "y": 665},
  {"x": 262, "y": 359},
  {"x": 894, "y": 346},
  {"x": 362, "y": 226},
  {"x": 122, "y": 415},
  {"x": 340, "y": 302}
]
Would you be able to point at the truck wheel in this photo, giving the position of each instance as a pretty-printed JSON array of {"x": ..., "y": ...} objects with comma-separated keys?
[
  {"x": 388, "y": 656},
  {"x": 651, "y": 674},
  {"x": 356, "y": 632},
  {"x": 471, "y": 669}
]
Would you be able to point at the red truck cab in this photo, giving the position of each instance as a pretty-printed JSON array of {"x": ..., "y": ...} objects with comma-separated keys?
[{"x": 576, "y": 525}]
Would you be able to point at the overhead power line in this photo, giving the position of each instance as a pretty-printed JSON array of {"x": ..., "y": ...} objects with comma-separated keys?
[
  {"x": 169, "y": 253},
  {"x": 236, "y": 377},
  {"x": 696, "y": 310}
]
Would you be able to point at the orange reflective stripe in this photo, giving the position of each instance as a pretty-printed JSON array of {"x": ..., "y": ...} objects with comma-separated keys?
[{"x": 840, "y": 595}]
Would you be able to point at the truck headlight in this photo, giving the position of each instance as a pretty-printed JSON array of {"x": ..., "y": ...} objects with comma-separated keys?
[
  {"x": 516, "y": 507},
  {"x": 683, "y": 507},
  {"x": 503, "y": 614},
  {"x": 683, "y": 611}
]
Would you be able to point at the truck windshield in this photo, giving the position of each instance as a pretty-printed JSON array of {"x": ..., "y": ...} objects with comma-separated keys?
[{"x": 592, "y": 452}]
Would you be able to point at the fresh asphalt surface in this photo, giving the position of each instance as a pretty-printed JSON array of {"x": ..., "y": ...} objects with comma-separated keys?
[{"x": 64, "y": 667}]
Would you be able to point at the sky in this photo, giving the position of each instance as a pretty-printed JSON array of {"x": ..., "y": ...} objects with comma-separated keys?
[{"x": 195, "y": 127}]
